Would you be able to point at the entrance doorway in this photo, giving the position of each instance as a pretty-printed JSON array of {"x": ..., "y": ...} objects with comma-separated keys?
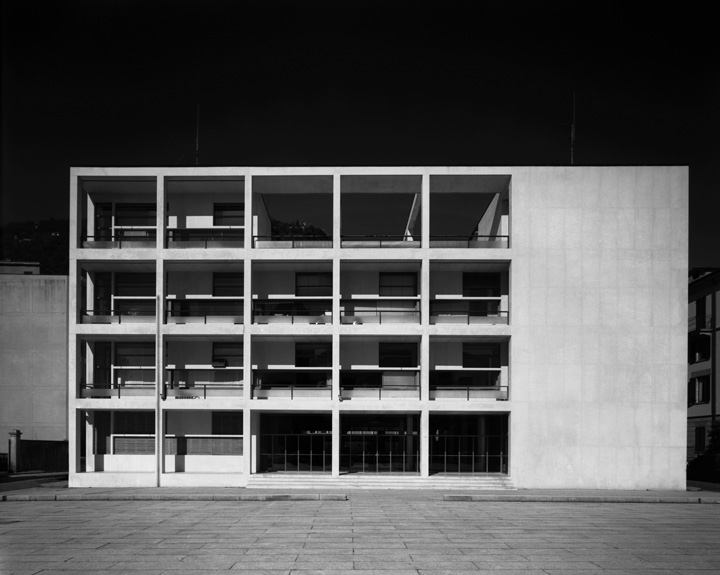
[
  {"x": 299, "y": 442},
  {"x": 379, "y": 443},
  {"x": 469, "y": 443}
]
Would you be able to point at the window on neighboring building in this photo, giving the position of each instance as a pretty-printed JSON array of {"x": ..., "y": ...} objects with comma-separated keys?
[
  {"x": 229, "y": 214},
  {"x": 229, "y": 351},
  {"x": 313, "y": 284},
  {"x": 699, "y": 348},
  {"x": 398, "y": 284},
  {"x": 227, "y": 284},
  {"x": 700, "y": 434},
  {"x": 481, "y": 354},
  {"x": 227, "y": 422},
  {"x": 398, "y": 354},
  {"x": 699, "y": 390},
  {"x": 477, "y": 284},
  {"x": 313, "y": 354}
]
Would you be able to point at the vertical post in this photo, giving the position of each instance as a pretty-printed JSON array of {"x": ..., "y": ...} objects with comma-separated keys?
[
  {"x": 15, "y": 451},
  {"x": 425, "y": 443},
  {"x": 335, "y": 455}
]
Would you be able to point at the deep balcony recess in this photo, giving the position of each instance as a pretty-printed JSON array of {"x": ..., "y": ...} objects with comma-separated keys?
[
  {"x": 469, "y": 369},
  {"x": 379, "y": 293},
  {"x": 469, "y": 293},
  {"x": 379, "y": 370},
  {"x": 469, "y": 211},
  {"x": 204, "y": 293},
  {"x": 290, "y": 369},
  {"x": 118, "y": 293},
  {"x": 118, "y": 212},
  {"x": 292, "y": 212},
  {"x": 117, "y": 368},
  {"x": 205, "y": 212},
  {"x": 287, "y": 293},
  {"x": 381, "y": 212},
  {"x": 203, "y": 369}
]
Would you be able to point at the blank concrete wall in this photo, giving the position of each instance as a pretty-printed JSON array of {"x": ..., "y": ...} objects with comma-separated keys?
[
  {"x": 599, "y": 327},
  {"x": 33, "y": 356}
]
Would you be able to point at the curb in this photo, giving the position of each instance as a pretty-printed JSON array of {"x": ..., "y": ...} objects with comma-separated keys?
[
  {"x": 580, "y": 499},
  {"x": 175, "y": 497}
]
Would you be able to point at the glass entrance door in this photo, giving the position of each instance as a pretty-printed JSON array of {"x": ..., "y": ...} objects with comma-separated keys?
[{"x": 295, "y": 443}]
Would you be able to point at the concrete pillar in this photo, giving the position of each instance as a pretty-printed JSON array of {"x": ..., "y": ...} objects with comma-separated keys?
[
  {"x": 254, "y": 441},
  {"x": 90, "y": 440},
  {"x": 15, "y": 451},
  {"x": 335, "y": 442},
  {"x": 425, "y": 443},
  {"x": 247, "y": 432}
]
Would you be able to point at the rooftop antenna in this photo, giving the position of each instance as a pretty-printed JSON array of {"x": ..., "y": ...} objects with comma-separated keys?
[
  {"x": 197, "y": 137},
  {"x": 572, "y": 134}
]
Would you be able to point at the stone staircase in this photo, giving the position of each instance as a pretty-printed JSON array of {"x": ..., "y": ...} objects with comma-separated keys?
[{"x": 485, "y": 482}]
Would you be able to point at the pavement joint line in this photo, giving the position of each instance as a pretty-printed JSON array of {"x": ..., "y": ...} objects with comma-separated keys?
[
  {"x": 176, "y": 497},
  {"x": 579, "y": 499}
]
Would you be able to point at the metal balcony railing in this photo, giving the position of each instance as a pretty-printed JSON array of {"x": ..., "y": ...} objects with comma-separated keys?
[
  {"x": 205, "y": 238},
  {"x": 120, "y": 239},
  {"x": 206, "y": 311},
  {"x": 119, "y": 390},
  {"x": 379, "y": 384},
  {"x": 294, "y": 384},
  {"x": 358, "y": 312},
  {"x": 474, "y": 241},
  {"x": 462, "y": 315},
  {"x": 379, "y": 241},
  {"x": 292, "y": 311},
  {"x": 290, "y": 241},
  {"x": 106, "y": 316}
]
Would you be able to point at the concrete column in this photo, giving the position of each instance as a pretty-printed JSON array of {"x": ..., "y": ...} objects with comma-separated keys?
[
  {"x": 425, "y": 211},
  {"x": 336, "y": 442},
  {"x": 424, "y": 367},
  {"x": 425, "y": 443},
  {"x": 254, "y": 441},
  {"x": 337, "y": 212},
  {"x": 247, "y": 433},
  {"x": 89, "y": 423}
]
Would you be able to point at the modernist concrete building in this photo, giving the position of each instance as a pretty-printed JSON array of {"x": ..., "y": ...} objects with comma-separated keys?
[
  {"x": 703, "y": 348},
  {"x": 513, "y": 326}
]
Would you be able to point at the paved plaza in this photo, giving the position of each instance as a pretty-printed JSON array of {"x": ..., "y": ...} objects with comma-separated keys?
[{"x": 400, "y": 533}]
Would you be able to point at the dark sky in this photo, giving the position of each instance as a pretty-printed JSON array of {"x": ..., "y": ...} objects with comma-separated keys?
[{"x": 116, "y": 83}]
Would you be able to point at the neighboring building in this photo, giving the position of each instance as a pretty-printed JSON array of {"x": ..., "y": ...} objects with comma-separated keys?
[
  {"x": 525, "y": 324},
  {"x": 33, "y": 353},
  {"x": 703, "y": 349}
]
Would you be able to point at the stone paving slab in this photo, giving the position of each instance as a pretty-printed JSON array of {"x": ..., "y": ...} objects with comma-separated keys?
[{"x": 368, "y": 533}]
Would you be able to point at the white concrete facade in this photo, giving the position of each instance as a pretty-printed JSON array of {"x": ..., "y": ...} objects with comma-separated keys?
[{"x": 570, "y": 367}]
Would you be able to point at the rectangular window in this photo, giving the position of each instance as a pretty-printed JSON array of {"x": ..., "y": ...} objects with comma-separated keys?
[
  {"x": 135, "y": 354},
  {"x": 699, "y": 390},
  {"x": 481, "y": 284},
  {"x": 313, "y": 284},
  {"x": 395, "y": 354},
  {"x": 700, "y": 439},
  {"x": 398, "y": 284},
  {"x": 229, "y": 214},
  {"x": 135, "y": 284},
  {"x": 143, "y": 215},
  {"x": 699, "y": 348},
  {"x": 230, "y": 352},
  {"x": 227, "y": 284},
  {"x": 481, "y": 355},
  {"x": 227, "y": 422},
  {"x": 313, "y": 354}
]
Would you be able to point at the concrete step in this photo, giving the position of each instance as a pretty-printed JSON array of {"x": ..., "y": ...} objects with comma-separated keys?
[{"x": 373, "y": 481}]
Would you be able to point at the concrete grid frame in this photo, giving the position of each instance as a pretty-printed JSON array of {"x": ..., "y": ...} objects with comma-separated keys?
[{"x": 542, "y": 339}]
